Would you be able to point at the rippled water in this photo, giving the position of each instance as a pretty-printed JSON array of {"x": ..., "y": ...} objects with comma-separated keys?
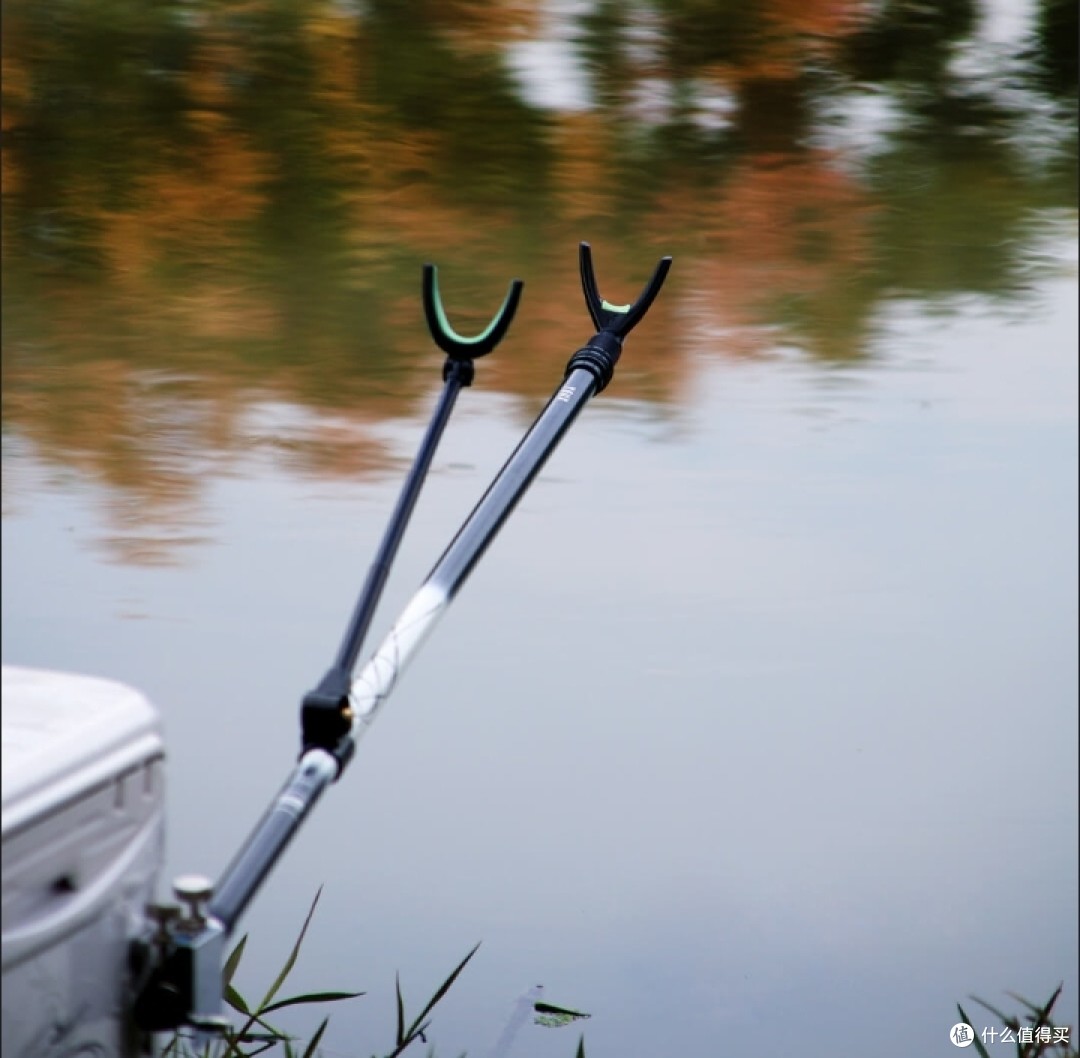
[{"x": 756, "y": 729}]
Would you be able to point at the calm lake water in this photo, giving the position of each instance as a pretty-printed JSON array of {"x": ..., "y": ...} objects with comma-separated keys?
[{"x": 755, "y": 732}]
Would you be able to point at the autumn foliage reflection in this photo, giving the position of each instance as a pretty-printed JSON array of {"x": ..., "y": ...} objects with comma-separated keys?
[{"x": 213, "y": 210}]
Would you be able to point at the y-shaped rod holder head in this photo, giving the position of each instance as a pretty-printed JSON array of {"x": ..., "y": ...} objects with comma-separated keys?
[
  {"x": 458, "y": 348},
  {"x": 613, "y": 322},
  {"x": 618, "y": 320}
]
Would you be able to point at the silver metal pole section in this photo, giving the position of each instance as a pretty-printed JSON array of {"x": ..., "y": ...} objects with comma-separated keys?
[
  {"x": 377, "y": 679},
  {"x": 315, "y": 771}
]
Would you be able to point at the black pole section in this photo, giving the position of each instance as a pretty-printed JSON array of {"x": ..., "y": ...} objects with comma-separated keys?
[
  {"x": 457, "y": 371},
  {"x": 502, "y": 495},
  {"x": 326, "y": 718}
]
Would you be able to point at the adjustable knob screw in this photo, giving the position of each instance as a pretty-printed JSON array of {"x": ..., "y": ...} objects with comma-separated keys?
[{"x": 194, "y": 892}]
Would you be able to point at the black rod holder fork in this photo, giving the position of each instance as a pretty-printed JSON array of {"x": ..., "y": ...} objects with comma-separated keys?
[{"x": 613, "y": 322}]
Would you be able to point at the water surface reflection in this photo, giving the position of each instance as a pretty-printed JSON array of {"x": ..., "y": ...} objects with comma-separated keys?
[
  {"x": 793, "y": 745},
  {"x": 207, "y": 207}
]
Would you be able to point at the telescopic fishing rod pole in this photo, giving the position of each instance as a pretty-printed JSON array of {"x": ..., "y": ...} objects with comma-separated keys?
[
  {"x": 187, "y": 987},
  {"x": 588, "y": 372}
]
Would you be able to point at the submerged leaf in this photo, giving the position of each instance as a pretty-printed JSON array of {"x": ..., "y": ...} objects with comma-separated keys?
[
  {"x": 549, "y": 1008},
  {"x": 553, "y": 1017}
]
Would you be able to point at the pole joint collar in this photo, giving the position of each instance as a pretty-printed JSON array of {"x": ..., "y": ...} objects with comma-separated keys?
[
  {"x": 326, "y": 718},
  {"x": 598, "y": 357}
]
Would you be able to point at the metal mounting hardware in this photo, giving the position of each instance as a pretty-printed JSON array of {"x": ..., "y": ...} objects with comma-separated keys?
[
  {"x": 194, "y": 892},
  {"x": 164, "y": 916}
]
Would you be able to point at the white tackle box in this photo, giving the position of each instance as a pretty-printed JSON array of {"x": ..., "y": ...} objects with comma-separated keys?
[{"x": 83, "y": 802}]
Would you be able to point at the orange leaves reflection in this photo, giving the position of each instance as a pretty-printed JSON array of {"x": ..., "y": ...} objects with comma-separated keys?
[
  {"x": 154, "y": 439},
  {"x": 226, "y": 210},
  {"x": 788, "y": 234}
]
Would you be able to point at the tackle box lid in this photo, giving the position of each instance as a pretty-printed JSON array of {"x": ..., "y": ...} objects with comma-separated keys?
[{"x": 65, "y": 734}]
